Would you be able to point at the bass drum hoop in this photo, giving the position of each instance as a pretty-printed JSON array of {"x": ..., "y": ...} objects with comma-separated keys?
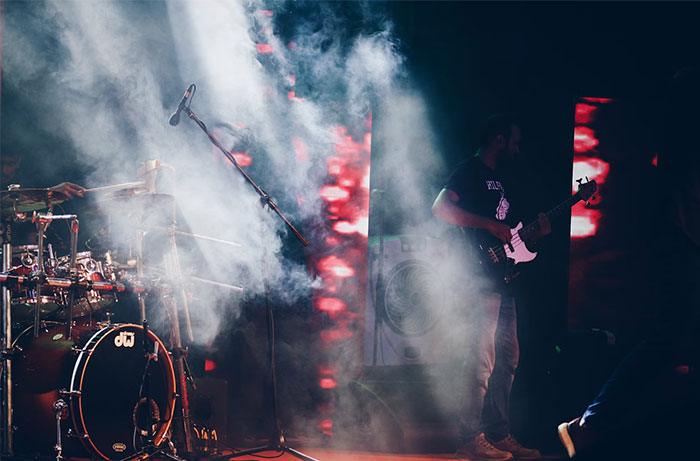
[{"x": 78, "y": 375}]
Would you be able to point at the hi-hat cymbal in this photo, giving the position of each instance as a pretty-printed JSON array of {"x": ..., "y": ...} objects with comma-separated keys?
[{"x": 24, "y": 200}]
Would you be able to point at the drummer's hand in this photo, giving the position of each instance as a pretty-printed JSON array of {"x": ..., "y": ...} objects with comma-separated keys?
[{"x": 70, "y": 189}]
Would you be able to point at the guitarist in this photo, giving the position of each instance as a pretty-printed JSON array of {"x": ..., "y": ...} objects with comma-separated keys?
[{"x": 475, "y": 199}]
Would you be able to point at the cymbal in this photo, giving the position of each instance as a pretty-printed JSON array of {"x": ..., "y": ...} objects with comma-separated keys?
[{"x": 24, "y": 200}]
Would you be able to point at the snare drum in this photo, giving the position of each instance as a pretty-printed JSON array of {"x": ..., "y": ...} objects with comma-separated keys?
[{"x": 99, "y": 374}]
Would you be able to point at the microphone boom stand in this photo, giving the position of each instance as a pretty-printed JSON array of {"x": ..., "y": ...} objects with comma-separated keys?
[{"x": 277, "y": 442}]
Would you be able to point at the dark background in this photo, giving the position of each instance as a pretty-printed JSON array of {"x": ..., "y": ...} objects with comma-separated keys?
[{"x": 473, "y": 59}]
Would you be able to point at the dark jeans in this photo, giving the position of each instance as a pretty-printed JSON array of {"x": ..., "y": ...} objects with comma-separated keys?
[
  {"x": 489, "y": 369},
  {"x": 646, "y": 380}
]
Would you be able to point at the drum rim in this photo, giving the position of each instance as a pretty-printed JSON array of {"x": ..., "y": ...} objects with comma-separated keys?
[{"x": 76, "y": 397}]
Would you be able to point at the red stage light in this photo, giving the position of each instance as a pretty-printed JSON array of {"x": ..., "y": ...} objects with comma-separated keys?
[
  {"x": 333, "y": 193},
  {"x": 331, "y": 305},
  {"x": 360, "y": 226},
  {"x": 336, "y": 164},
  {"x": 584, "y": 139},
  {"x": 585, "y": 113},
  {"x": 242, "y": 159},
  {"x": 328, "y": 383},
  {"x": 584, "y": 222},
  {"x": 209, "y": 365},
  {"x": 598, "y": 100},
  {"x": 326, "y": 426},
  {"x": 264, "y": 48},
  {"x": 336, "y": 266}
]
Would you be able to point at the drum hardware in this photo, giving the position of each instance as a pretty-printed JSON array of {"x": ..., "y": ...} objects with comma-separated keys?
[
  {"x": 39, "y": 275},
  {"x": 60, "y": 408},
  {"x": 6, "y": 435},
  {"x": 127, "y": 286},
  {"x": 277, "y": 440},
  {"x": 67, "y": 393},
  {"x": 74, "y": 435}
]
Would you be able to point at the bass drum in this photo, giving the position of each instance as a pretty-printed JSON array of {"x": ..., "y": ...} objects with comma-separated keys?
[{"x": 99, "y": 374}]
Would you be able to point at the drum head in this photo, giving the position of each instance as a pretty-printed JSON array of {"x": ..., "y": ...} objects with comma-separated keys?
[
  {"x": 113, "y": 379},
  {"x": 102, "y": 370}
]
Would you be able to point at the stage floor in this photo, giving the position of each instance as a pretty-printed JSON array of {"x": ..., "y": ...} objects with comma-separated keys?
[{"x": 322, "y": 454}]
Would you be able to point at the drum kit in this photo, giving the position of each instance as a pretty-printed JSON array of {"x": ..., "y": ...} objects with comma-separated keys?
[
  {"x": 74, "y": 383},
  {"x": 74, "y": 378}
]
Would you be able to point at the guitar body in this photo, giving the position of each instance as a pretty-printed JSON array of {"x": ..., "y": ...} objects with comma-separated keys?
[
  {"x": 518, "y": 253},
  {"x": 497, "y": 260}
]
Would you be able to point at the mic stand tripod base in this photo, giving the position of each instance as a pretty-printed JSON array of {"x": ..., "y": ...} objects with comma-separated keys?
[
  {"x": 153, "y": 451},
  {"x": 277, "y": 443}
]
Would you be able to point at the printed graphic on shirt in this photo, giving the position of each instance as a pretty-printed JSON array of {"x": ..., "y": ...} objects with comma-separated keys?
[{"x": 503, "y": 205}]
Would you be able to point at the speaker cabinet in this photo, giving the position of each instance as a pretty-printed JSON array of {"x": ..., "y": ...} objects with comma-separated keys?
[{"x": 407, "y": 293}]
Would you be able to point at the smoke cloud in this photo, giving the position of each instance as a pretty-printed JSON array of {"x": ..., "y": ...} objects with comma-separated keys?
[{"x": 116, "y": 71}]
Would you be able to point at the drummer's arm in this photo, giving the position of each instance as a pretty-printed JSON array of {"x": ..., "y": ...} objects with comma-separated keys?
[{"x": 70, "y": 189}]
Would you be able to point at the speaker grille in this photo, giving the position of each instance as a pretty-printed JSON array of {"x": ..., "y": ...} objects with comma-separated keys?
[{"x": 413, "y": 295}]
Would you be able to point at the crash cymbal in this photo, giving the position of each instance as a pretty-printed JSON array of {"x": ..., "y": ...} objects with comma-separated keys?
[{"x": 24, "y": 200}]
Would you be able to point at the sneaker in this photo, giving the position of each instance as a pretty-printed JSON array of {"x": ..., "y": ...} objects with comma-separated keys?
[
  {"x": 518, "y": 451},
  {"x": 481, "y": 449},
  {"x": 576, "y": 436}
]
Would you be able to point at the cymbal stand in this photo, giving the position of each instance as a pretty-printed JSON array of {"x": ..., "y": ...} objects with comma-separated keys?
[
  {"x": 74, "y": 226},
  {"x": 39, "y": 274},
  {"x": 6, "y": 432},
  {"x": 179, "y": 352},
  {"x": 139, "y": 273},
  {"x": 277, "y": 441}
]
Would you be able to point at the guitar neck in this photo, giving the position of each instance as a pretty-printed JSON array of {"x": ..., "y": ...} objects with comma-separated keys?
[{"x": 532, "y": 228}]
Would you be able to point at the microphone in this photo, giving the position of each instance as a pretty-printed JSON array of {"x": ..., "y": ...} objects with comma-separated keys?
[{"x": 175, "y": 118}]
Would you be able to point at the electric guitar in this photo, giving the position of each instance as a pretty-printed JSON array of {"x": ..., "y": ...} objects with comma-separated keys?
[{"x": 500, "y": 259}]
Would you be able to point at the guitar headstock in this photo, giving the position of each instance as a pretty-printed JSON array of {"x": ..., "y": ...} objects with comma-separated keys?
[{"x": 586, "y": 189}]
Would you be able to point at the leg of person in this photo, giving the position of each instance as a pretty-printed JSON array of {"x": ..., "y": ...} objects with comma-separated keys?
[
  {"x": 641, "y": 375},
  {"x": 496, "y": 410},
  {"x": 618, "y": 399},
  {"x": 478, "y": 367}
]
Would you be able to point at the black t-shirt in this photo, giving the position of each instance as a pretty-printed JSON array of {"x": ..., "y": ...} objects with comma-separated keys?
[{"x": 480, "y": 190}]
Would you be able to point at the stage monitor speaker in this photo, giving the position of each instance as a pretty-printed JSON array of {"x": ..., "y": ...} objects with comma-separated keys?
[
  {"x": 209, "y": 405},
  {"x": 405, "y": 302}
]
